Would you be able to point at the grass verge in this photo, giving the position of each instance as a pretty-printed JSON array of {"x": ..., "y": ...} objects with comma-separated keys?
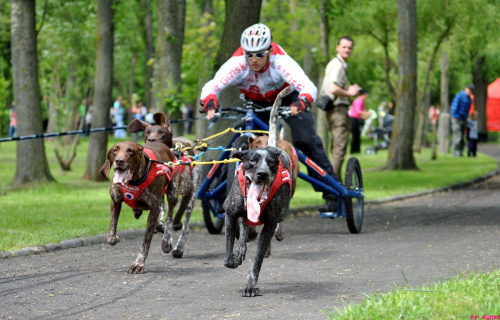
[
  {"x": 467, "y": 295},
  {"x": 71, "y": 207}
]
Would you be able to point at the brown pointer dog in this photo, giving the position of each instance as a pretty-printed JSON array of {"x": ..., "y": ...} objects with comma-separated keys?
[
  {"x": 260, "y": 194},
  {"x": 186, "y": 183},
  {"x": 262, "y": 142},
  {"x": 132, "y": 165}
]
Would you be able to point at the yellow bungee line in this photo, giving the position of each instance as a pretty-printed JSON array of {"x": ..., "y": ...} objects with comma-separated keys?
[
  {"x": 202, "y": 144},
  {"x": 196, "y": 163},
  {"x": 233, "y": 130}
]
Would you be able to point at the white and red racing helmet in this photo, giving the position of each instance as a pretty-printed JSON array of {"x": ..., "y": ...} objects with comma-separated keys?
[{"x": 256, "y": 38}]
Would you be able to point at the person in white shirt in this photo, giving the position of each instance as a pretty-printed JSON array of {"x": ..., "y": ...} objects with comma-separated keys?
[{"x": 261, "y": 69}]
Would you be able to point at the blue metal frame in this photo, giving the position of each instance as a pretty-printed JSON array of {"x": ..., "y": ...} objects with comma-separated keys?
[{"x": 327, "y": 184}]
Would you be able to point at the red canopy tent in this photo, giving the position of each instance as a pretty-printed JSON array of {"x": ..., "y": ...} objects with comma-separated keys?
[{"x": 493, "y": 106}]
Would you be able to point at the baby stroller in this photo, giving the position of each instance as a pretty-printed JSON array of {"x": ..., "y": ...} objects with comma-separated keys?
[{"x": 381, "y": 135}]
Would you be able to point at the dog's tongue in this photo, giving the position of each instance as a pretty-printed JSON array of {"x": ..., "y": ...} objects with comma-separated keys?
[
  {"x": 253, "y": 206},
  {"x": 121, "y": 177}
]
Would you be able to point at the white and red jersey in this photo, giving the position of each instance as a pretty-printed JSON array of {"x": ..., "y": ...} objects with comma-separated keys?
[{"x": 281, "y": 71}]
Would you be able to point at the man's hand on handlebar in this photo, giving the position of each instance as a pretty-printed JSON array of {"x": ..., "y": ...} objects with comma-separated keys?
[{"x": 299, "y": 106}]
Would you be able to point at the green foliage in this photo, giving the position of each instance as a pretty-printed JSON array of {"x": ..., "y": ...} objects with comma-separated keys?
[{"x": 199, "y": 51}]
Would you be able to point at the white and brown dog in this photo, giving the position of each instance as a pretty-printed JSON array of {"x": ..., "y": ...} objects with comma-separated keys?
[{"x": 141, "y": 183}]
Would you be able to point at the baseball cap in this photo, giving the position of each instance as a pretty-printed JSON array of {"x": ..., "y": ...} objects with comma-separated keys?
[{"x": 471, "y": 87}]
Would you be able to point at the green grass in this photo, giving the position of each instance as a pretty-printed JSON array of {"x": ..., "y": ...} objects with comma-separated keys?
[
  {"x": 469, "y": 293},
  {"x": 71, "y": 207}
]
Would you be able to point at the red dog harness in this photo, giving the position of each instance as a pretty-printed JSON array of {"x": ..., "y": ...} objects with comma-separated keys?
[
  {"x": 131, "y": 191},
  {"x": 282, "y": 176}
]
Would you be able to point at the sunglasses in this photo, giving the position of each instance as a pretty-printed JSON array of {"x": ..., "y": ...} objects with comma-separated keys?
[{"x": 258, "y": 55}]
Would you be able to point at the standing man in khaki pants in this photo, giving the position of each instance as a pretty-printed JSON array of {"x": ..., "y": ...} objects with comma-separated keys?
[{"x": 335, "y": 86}]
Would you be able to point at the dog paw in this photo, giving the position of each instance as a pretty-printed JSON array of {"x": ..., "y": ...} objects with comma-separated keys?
[
  {"x": 239, "y": 256},
  {"x": 279, "y": 235},
  {"x": 113, "y": 240},
  {"x": 177, "y": 253},
  {"x": 231, "y": 264},
  {"x": 177, "y": 226},
  {"x": 251, "y": 292},
  {"x": 166, "y": 246},
  {"x": 136, "y": 268},
  {"x": 137, "y": 213},
  {"x": 268, "y": 252},
  {"x": 252, "y": 234}
]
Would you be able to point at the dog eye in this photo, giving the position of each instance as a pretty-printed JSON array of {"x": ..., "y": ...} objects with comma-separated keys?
[
  {"x": 253, "y": 160},
  {"x": 270, "y": 162}
]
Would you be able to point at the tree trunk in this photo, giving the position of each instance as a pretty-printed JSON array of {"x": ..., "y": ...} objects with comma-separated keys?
[
  {"x": 422, "y": 106},
  {"x": 322, "y": 128},
  {"x": 480, "y": 95},
  {"x": 149, "y": 47},
  {"x": 133, "y": 61},
  {"x": 240, "y": 14},
  {"x": 102, "y": 93},
  {"x": 171, "y": 16},
  {"x": 171, "y": 19},
  {"x": 400, "y": 151},
  {"x": 444, "y": 118},
  {"x": 31, "y": 160},
  {"x": 201, "y": 126}
]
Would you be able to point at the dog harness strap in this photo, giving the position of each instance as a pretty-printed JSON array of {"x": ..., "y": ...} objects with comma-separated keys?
[
  {"x": 185, "y": 159},
  {"x": 130, "y": 192},
  {"x": 282, "y": 176}
]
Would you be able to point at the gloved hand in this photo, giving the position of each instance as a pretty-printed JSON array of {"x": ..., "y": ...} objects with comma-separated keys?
[
  {"x": 210, "y": 104},
  {"x": 302, "y": 104}
]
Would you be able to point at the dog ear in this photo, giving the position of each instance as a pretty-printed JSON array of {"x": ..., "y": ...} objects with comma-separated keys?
[
  {"x": 160, "y": 119},
  {"x": 137, "y": 125},
  {"x": 250, "y": 140},
  {"x": 107, "y": 165},
  {"x": 275, "y": 151},
  {"x": 239, "y": 154}
]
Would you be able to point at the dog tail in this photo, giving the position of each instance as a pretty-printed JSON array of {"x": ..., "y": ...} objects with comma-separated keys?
[{"x": 274, "y": 117}]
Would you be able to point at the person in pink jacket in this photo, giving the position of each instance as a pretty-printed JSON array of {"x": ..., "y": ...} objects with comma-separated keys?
[{"x": 358, "y": 115}]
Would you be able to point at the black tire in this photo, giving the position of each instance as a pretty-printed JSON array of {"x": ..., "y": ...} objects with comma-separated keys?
[
  {"x": 214, "y": 224},
  {"x": 354, "y": 206}
]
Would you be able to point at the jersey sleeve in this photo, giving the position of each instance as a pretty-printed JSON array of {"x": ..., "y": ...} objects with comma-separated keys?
[
  {"x": 293, "y": 74},
  {"x": 232, "y": 72}
]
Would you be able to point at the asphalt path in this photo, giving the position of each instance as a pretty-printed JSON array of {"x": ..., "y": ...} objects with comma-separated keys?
[{"x": 317, "y": 267}]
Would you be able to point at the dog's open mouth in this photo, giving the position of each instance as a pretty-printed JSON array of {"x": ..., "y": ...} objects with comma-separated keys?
[
  {"x": 256, "y": 195},
  {"x": 122, "y": 176}
]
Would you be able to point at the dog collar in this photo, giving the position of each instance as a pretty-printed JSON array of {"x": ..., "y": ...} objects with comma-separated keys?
[
  {"x": 133, "y": 189},
  {"x": 145, "y": 174}
]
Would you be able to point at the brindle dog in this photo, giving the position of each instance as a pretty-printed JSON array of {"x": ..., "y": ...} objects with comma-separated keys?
[
  {"x": 186, "y": 185},
  {"x": 131, "y": 166},
  {"x": 262, "y": 172},
  {"x": 262, "y": 142}
]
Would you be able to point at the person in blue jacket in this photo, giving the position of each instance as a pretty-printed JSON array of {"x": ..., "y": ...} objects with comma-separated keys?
[{"x": 459, "y": 114}]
